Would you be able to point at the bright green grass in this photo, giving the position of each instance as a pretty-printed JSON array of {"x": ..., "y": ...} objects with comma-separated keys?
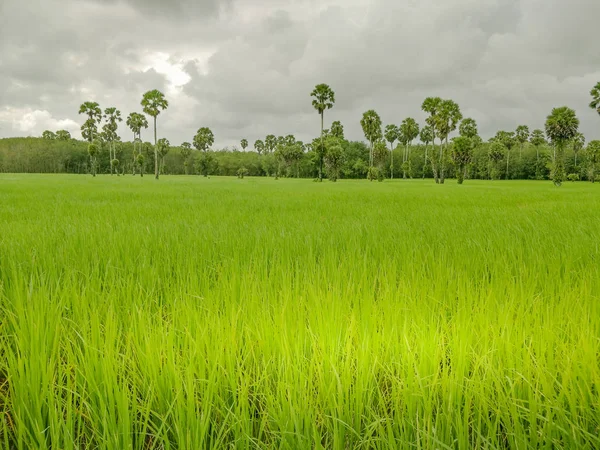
[{"x": 197, "y": 313}]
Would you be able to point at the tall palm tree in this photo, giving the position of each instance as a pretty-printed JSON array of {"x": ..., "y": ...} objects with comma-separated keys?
[
  {"x": 426, "y": 137},
  {"x": 323, "y": 98},
  {"x": 468, "y": 128},
  {"x": 371, "y": 125},
  {"x": 244, "y": 144},
  {"x": 136, "y": 121},
  {"x": 431, "y": 106},
  {"x": 522, "y": 136},
  {"x": 89, "y": 129},
  {"x": 391, "y": 134},
  {"x": 259, "y": 146},
  {"x": 153, "y": 103},
  {"x": 113, "y": 117},
  {"x": 561, "y": 127},
  {"x": 409, "y": 131},
  {"x": 447, "y": 120}
]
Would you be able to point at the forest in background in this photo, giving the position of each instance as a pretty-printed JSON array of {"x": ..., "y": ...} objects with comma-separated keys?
[{"x": 39, "y": 155}]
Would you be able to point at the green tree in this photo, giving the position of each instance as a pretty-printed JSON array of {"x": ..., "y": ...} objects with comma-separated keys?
[
  {"x": 244, "y": 144},
  {"x": 522, "y": 136},
  {"x": 578, "y": 144},
  {"x": 140, "y": 159},
  {"x": 259, "y": 146},
  {"x": 537, "y": 139},
  {"x": 136, "y": 121},
  {"x": 153, "y": 102},
  {"x": 593, "y": 157},
  {"x": 508, "y": 139},
  {"x": 163, "y": 149},
  {"x": 496, "y": 152},
  {"x": 447, "y": 120},
  {"x": 468, "y": 128},
  {"x": 202, "y": 141},
  {"x": 63, "y": 135},
  {"x": 93, "y": 152},
  {"x": 595, "y": 93},
  {"x": 431, "y": 105},
  {"x": 371, "y": 126},
  {"x": 462, "y": 154},
  {"x": 48, "y": 135},
  {"x": 270, "y": 143},
  {"x": 186, "y": 151},
  {"x": 337, "y": 130},
  {"x": 89, "y": 129},
  {"x": 561, "y": 127},
  {"x": 334, "y": 157},
  {"x": 323, "y": 98},
  {"x": 426, "y": 137},
  {"x": 113, "y": 117},
  {"x": 409, "y": 131},
  {"x": 392, "y": 132}
]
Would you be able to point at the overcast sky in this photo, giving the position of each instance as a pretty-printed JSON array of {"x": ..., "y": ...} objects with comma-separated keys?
[{"x": 245, "y": 68}]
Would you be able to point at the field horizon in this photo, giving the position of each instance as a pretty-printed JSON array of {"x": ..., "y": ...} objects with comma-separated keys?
[{"x": 258, "y": 313}]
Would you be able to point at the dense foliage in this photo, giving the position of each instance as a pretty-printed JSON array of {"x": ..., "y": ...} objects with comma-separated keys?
[{"x": 37, "y": 155}]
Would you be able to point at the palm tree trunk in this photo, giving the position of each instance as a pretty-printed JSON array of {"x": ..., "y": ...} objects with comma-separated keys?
[
  {"x": 155, "y": 152},
  {"x": 322, "y": 150}
]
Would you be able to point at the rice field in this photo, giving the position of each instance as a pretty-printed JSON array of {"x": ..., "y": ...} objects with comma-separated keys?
[{"x": 195, "y": 313}]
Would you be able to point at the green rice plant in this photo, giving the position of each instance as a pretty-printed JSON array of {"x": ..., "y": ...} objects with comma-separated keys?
[{"x": 207, "y": 313}]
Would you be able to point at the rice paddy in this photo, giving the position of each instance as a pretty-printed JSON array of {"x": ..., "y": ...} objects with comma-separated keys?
[{"x": 195, "y": 313}]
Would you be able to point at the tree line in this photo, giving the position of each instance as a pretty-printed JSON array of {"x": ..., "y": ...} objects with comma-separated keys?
[{"x": 559, "y": 152}]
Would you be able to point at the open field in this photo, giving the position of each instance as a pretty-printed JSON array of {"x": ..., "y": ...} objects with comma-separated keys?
[{"x": 198, "y": 313}]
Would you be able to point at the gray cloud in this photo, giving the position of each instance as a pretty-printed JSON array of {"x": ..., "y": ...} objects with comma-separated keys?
[{"x": 245, "y": 68}]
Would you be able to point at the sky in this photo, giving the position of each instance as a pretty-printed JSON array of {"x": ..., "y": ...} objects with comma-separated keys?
[{"x": 245, "y": 68}]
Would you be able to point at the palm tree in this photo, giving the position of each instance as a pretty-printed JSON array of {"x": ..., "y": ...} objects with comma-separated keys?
[
  {"x": 371, "y": 125},
  {"x": 578, "y": 144},
  {"x": 153, "y": 103},
  {"x": 522, "y": 136},
  {"x": 447, "y": 120},
  {"x": 537, "y": 140},
  {"x": 426, "y": 137},
  {"x": 561, "y": 127},
  {"x": 323, "y": 98},
  {"x": 337, "y": 130},
  {"x": 468, "y": 128},
  {"x": 163, "y": 148},
  {"x": 409, "y": 131},
  {"x": 93, "y": 151},
  {"x": 431, "y": 105},
  {"x": 508, "y": 139},
  {"x": 244, "y": 144},
  {"x": 259, "y": 146},
  {"x": 202, "y": 141},
  {"x": 391, "y": 135},
  {"x": 135, "y": 122},
  {"x": 595, "y": 93},
  {"x": 113, "y": 117},
  {"x": 89, "y": 129},
  {"x": 270, "y": 143}
]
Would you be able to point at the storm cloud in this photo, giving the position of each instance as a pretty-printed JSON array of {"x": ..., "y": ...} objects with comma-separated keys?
[{"x": 245, "y": 68}]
